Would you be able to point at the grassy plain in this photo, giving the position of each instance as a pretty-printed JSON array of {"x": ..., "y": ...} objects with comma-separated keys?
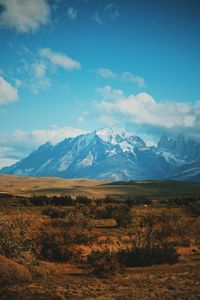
[{"x": 46, "y": 249}]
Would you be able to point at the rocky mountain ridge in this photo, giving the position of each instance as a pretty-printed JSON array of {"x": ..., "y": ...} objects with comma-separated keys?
[{"x": 113, "y": 154}]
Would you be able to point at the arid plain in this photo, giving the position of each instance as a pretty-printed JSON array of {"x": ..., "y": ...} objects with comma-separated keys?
[{"x": 86, "y": 239}]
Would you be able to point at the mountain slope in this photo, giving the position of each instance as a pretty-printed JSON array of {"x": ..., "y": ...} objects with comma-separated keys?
[{"x": 111, "y": 154}]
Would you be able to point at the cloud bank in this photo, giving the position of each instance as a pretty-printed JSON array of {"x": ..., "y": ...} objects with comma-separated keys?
[
  {"x": 143, "y": 109},
  {"x": 8, "y": 93},
  {"x": 20, "y": 143},
  {"x": 124, "y": 76},
  {"x": 60, "y": 59},
  {"x": 24, "y": 15}
]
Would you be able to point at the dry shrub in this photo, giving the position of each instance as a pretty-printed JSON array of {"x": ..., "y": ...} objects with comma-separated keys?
[
  {"x": 54, "y": 212},
  {"x": 144, "y": 256},
  {"x": 11, "y": 271},
  {"x": 121, "y": 213},
  {"x": 57, "y": 239},
  {"x": 55, "y": 244},
  {"x": 170, "y": 224},
  {"x": 193, "y": 209},
  {"x": 149, "y": 247},
  {"x": 79, "y": 218},
  {"x": 82, "y": 199},
  {"x": 103, "y": 263},
  {"x": 99, "y": 212},
  {"x": 14, "y": 237}
]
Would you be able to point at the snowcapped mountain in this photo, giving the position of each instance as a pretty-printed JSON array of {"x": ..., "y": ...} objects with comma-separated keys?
[
  {"x": 113, "y": 154},
  {"x": 178, "y": 152}
]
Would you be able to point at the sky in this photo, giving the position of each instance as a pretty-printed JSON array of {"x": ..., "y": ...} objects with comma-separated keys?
[{"x": 72, "y": 66}]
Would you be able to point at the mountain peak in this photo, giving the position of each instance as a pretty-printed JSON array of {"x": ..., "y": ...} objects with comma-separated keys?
[
  {"x": 120, "y": 136},
  {"x": 110, "y": 134},
  {"x": 164, "y": 143},
  {"x": 111, "y": 153}
]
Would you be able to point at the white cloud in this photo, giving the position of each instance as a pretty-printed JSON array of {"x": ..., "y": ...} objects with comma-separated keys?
[
  {"x": 39, "y": 69},
  {"x": 8, "y": 156},
  {"x": 20, "y": 143},
  {"x": 8, "y": 93},
  {"x": 110, "y": 94},
  {"x": 54, "y": 134},
  {"x": 4, "y": 162},
  {"x": 18, "y": 83},
  {"x": 129, "y": 77},
  {"x": 72, "y": 13},
  {"x": 124, "y": 76},
  {"x": 97, "y": 18},
  {"x": 36, "y": 137},
  {"x": 38, "y": 84},
  {"x": 82, "y": 118},
  {"x": 24, "y": 15},
  {"x": 144, "y": 109},
  {"x": 60, "y": 59},
  {"x": 106, "y": 73},
  {"x": 36, "y": 77},
  {"x": 111, "y": 11},
  {"x": 35, "y": 72}
]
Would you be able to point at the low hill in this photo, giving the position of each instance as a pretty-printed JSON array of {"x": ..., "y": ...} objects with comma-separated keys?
[{"x": 27, "y": 186}]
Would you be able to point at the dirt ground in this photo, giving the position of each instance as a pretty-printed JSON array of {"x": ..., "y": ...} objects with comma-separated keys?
[{"x": 180, "y": 281}]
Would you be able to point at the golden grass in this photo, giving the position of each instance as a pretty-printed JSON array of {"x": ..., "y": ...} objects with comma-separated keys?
[
  {"x": 11, "y": 271},
  {"x": 27, "y": 186},
  {"x": 31, "y": 278}
]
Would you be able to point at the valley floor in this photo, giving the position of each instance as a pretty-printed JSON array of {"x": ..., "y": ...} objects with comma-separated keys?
[
  {"x": 62, "y": 247},
  {"x": 180, "y": 281}
]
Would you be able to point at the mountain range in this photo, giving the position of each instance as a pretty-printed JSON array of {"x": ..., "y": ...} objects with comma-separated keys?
[{"x": 113, "y": 154}]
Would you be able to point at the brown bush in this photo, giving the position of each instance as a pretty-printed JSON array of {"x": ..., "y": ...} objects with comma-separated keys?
[
  {"x": 81, "y": 199},
  {"x": 122, "y": 214},
  {"x": 55, "y": 244},
  {"x": 11, "y": 271},
  {"x": 169, "y": 223},
  {"x": 103, "y": 263},
  {"x": 147, "y": 256},
  {"x": 193, "y": 209},
  {"x": 14, "y": 237},
  {"x": 148, "y": 247},
  {"x": 54, "y": 212},
  {"x": 57, "y": 239}
]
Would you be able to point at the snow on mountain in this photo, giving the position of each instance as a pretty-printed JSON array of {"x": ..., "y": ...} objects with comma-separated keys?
[
  {"x": 114, "y": 154},
  {"x": 122, "y": 137},
  {"x": 113, "y": 135},
  {"x": 178, "y": 152}
]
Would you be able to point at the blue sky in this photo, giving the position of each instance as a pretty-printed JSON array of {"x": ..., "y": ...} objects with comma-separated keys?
[{"x": 67, "y": 67}]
